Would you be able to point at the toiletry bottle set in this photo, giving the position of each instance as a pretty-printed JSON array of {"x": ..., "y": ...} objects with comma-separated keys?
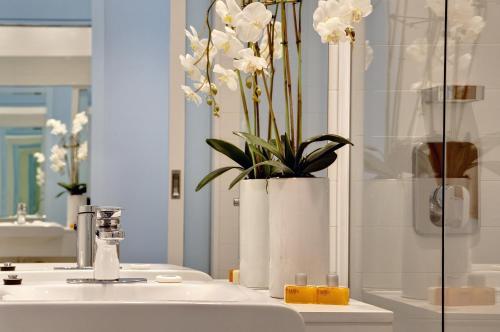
[{"x": 302, "y": 293}]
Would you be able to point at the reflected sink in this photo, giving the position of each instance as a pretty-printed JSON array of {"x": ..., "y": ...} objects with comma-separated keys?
[
  {"x": 31, "y": 229},
  {"x": 188, "y": 307}
]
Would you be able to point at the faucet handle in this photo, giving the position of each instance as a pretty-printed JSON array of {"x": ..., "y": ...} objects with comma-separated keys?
[{"x": 108, "y": 217}]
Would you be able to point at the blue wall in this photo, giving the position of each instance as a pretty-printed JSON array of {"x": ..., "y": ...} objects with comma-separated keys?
[
  {"x": 129, "y": 154},
  {"x": 197, "y": 211},
  {"x": 45, "y": 12}
]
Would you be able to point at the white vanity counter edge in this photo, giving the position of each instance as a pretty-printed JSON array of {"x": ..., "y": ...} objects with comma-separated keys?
[{"x": 355, "y": 317}]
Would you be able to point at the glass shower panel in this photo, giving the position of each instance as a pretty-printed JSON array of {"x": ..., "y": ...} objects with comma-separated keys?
[
  {"x": 397, "y": 168},
  {"x": 472, "y": 190}
]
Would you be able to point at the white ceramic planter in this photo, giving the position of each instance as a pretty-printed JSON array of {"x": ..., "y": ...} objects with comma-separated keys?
[
  {"x": 254, "y": 234},
  {"x": 299, "y": 231},
  {"x": 73, "y": 203}
]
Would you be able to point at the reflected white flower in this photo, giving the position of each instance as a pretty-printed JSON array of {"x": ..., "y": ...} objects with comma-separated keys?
[
  {"x": 227, "y": 42},
  {"x": 57, "y": 127},
  {"x": 39, "y": 157},
  {"x": 248, "y": 62},
  {"x": 359, "y": 9},
  {"x": 79, "y": 121},
  {"x": 227, "y": 76},
  {"x": 417, "y": 50},
  {"x": 57, "y": 158},
  {"x": 40, "y": 177},
  {"x": 228, "y": 11},
  {"x": 467, "y": 31},
  {"x": 188, "y": 63},
  {"x": 83, "y": 151},
  {"x": 252, "y": 21},
  {"x": 368, "y": 54},
  {"x": 191, "y": 95},
  {"x": 436, "y": 6},
  {"x": 277, "y": 44}
]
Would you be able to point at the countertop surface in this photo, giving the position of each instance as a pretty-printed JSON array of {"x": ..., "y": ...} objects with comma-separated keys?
[{"x": 355, "y": 312}]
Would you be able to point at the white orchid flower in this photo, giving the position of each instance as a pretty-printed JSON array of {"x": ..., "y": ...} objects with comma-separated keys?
[
  {"x": 252, "y": 21},
  {"x": 359, "y": 9},
  {"x": 188, "y": 63},
  {"x": 79, "y": 121},
  {"x": 227, "y": 76},
  {"x": 58, "y": 128},
  {"x": 191, "y": 95},
  {"x": 202, "y": 86},
  {"x": 332, "y": 31},
  {"x": 227, "y": 42},
  {"x": 57, "y": 158},
  {"x": 277, "y": 44},
  {"x": 248, "y": 62},
  {"x": 228, "y": 11},
  {"x": 40, "y": 177},
  {"x": 328, "y": 9},
  {"x": 83, "y": 151},
  {"x": 198, "y": 46},
  {"x": 39, "y": 157}
]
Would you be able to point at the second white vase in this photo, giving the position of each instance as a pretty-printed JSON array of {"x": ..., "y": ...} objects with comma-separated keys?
[
  {"x": 299, "y": 231},
  {"x": 254, "y": 234},
  {"x": 73, "y": 203}
]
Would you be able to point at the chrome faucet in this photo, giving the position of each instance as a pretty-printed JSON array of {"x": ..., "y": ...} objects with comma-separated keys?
[
  {"x": 98, "y": 235},
  {"x": 108, "y": 237},
  {"x": 21, "y": 213}
]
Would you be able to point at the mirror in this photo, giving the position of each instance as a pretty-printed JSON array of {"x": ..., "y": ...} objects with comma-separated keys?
[{"x": 45, "y": 100}]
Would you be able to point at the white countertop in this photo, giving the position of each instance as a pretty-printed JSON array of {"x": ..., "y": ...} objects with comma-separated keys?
[
  {"x": 355, "y": 312},
  {"x": 422, "y": 308}
]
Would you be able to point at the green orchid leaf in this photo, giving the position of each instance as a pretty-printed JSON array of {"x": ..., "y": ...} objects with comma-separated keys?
[
  {"x": 255, "y": 140},
  {"x": 214, "y": 174},
  {"x": 320, "y": 163},
  {"x": 289, "y": 155},
  {"x": 341, "y": 141},
  {"x": 231, "y": 151},
  {"x": 320, "y": 153},
  {"x": 275, "y": 164}
]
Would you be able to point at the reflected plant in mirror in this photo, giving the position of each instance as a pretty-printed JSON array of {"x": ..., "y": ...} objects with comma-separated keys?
[{"x": 67, "y": 155}]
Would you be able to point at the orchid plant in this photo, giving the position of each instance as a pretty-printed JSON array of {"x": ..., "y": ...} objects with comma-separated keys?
[
  {"x": 256, "y": 36},
  {"x": 67, "y": 155}
]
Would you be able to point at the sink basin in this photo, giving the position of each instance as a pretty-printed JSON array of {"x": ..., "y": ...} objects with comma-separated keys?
[
  {"x": 140, "y": 292},
  {"x": 35, "y": 273},
  {"x": 189, "y": 306},
  {"x": 31, "y": 229}
]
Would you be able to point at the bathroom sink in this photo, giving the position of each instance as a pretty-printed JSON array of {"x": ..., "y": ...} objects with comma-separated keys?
[
  {"x": 34, "y": 273},
  {"x": 31, "y": 229},
  {"x": 189, "y": 306},
  {"x": 139, "y": 292}
]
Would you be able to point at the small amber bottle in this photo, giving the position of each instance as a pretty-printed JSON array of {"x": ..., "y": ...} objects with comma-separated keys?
[
  {"x": 300, "y": 293},
  {"x": 332, "y": 293}
]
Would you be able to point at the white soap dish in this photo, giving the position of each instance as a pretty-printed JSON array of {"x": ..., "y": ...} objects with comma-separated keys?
[
  {"x": 168, "y": 279},
  {"x": 140, "y": 266}
]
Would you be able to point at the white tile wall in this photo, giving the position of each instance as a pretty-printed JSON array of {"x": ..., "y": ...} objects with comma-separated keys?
[{"x": 388, "y": 119}]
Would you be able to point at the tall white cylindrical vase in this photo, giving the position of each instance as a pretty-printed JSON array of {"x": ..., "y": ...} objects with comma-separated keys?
[
  {"x": 254, "y": 234},
  {"x": 299, "y": 231},
  {"x": 73, "y": 203}
]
